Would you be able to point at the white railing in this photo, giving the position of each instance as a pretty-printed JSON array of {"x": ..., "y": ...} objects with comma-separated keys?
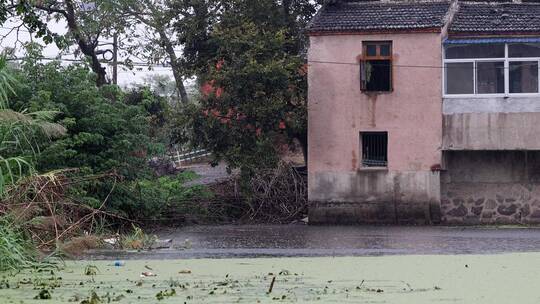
[{"x": 180, "y": 158}]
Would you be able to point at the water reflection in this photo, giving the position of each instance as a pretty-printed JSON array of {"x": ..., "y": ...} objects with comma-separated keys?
[{"x": 297, "y": 240}]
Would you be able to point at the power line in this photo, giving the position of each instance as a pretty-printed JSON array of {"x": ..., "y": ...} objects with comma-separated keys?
[
  {"x": 374, "y": 64},
  {"x": 164, "y": 66},
  {"x": 135, "y": 64},
  {"x": 528, "y": 63}
]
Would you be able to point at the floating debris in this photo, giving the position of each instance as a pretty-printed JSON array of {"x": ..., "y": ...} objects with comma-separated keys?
[
  {"x": 43, "y": 295},
  {"x": 148, "y": 274},
  {"x": 165, "y": 294},
  {"x": 91, "y": 270}
]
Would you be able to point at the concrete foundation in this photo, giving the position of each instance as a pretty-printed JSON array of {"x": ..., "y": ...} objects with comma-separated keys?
[
  {"x": 491, "y": 187},
  {"x": 374, "y": 197}
]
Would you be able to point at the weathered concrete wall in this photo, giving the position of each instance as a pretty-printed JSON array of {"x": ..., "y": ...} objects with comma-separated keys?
[
  {"x": 491, "y": 105},
  {"x": 375, "y": 197},
  {"x": 491, "y": 187},
  {"x": 339, "y": 111},
  {"x": 491, "y": 131}
]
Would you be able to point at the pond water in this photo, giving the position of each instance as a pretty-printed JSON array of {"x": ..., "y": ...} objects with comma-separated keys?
[
  {"x": 317, "y": 241},
  {"x": 503, "y": 278}
]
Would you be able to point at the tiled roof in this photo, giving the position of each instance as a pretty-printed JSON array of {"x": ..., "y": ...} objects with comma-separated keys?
[
  {"x": 496, "y": 18},
  {"x": 350, "y": 16}
]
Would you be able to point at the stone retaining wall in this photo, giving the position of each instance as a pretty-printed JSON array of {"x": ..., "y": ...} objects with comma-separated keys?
[
  {"x": 491, "y": 204},
  {"x": 491, "y": 187}
]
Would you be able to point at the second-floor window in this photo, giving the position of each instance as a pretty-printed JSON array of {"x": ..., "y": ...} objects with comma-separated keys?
[
  {"x": 376, "y": 66},
  {"x": 498, "y": 69}
]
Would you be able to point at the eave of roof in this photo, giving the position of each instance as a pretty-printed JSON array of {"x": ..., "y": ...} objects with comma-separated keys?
[
  {"x": 496, "y": 18},
  {"x": 375, "y": 17},
  {"x": 377, "y": 32},
  {"x": 473, "y": 18}
]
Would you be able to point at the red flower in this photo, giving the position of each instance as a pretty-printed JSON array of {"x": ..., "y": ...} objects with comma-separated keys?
[
  {"x": 282, "y": 125},
  {"x": 208, "y": 88},
  {"x": 219, "y": 92},
  {"x": 220, "y": 64}
]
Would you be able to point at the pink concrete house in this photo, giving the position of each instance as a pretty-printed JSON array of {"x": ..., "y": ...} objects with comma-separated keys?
[{"x": 424, "y": 112}]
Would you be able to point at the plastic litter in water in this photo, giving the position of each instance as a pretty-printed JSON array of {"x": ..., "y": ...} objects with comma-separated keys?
[{"x": 119, "y": 263}]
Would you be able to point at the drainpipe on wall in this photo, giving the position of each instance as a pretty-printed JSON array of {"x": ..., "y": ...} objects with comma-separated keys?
[{"x": 449, "y": 18}]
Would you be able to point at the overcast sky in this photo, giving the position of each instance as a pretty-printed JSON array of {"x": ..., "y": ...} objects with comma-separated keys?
[{"x": 125, "y": 76}]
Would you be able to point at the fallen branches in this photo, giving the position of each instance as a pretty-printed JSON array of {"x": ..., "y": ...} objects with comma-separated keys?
[
  {"x": 278, "y": 195},
  {"x": 42, "y": 205},
  {"x": 270, "y": 196}
]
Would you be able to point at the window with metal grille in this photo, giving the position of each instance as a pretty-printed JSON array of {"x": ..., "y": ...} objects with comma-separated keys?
[
  {"x": 374, "y": 149},
  {"x": 376, "y": 66}
]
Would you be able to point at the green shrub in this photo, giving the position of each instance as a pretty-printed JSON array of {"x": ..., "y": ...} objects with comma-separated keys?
[
  {"x": 152, "y": 198},
  {"x": 107, "y": 131}
]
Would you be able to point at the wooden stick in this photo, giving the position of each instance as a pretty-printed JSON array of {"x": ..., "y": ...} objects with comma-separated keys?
[{"x": 272, "y": 285}]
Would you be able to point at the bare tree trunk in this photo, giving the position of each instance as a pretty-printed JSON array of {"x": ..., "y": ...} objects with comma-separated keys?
[
  {"x": 87, "y": 48},
  {"x": 177, "y": 69}
]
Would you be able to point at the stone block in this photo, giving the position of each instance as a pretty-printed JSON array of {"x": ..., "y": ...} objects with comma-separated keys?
[
  {"x": 507, "y": 210},
  {"x": 460, "y": 211},
  {"x": 491, "y": 204},
  {"x": 477, "y": 210}
]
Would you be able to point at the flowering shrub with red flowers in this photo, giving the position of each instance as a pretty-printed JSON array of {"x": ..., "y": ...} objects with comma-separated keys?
[
  {"x": 253, "y": 98},
  {"x": 252, "y": 76}
]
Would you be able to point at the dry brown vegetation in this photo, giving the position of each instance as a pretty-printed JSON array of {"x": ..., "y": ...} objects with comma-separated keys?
[
  {"x": 271, "y": 196},
  {"x": 42, "y": 206}
]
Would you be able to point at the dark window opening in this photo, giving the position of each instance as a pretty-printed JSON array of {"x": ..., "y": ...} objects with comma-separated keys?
[
  {"x": 374, "y": 149},
  {"x": 378, "y": 75},
  {"x": 376, "y": 67},
  {"x": 371, "y": 50}
]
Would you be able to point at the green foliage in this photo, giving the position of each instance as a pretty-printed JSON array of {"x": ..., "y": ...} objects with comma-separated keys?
[
  {"x": 20, "y": 133},
  {"x": 106, "y": 130},
  {"x": 31, "y": 18},
  {"x": 103, "y": 134},
  {"x": 158, "y": 196},
  {"x": 253, "y": 84}
]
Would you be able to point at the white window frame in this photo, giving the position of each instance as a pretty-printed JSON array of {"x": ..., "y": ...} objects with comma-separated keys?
[{"x": 506, "y": 61}]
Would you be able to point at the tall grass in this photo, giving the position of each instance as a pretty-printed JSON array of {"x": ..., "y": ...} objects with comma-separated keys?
[{"x": 16, "y": 250}]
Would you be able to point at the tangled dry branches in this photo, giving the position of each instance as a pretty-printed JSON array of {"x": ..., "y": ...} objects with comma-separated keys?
[
  {"x": 278, "y": 195},
  {"x": 42, "y": 206},
  {"x": 271, "y": 196}
]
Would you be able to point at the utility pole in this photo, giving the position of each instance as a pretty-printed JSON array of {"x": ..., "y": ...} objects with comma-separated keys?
[{"x": 115, "y": 59}]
